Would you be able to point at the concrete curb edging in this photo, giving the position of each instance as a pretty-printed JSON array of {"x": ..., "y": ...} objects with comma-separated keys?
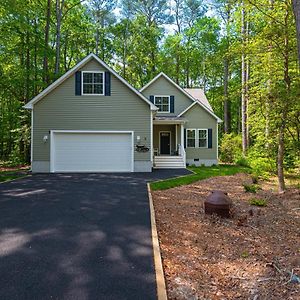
[{"x": 159, "y": 272}]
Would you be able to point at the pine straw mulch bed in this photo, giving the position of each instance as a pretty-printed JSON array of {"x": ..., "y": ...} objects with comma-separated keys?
[{"x": 206, "y": 257}]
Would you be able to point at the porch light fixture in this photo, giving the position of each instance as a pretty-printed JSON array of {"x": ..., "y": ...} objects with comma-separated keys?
[
  {"x": 138, "y": 138},
  {"x": 45, "y": 138}
]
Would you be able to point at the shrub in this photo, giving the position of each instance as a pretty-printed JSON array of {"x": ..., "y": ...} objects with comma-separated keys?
[
  {"x": 242, "y": 161},
  {"x": 245, "y": 254},
  {"x": 254, "y": 178},
  {"x": 251, "y": 188},
  {"x": 258, "y": 202},
  {"x": 231, "y": 147},
  {"x": 261, "y": 165}
]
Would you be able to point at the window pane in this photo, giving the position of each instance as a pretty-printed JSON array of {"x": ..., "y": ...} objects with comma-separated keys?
[
  {"x": 165, "y": 100},
  {"x": 191, "y": 143},
  {"x": 202, "y": 134},
  {"x": 98, "y": 89},
  {"x": 165, "y": 108},
  {"x": 158, "y": 100},
  {"x": 98, "y": 78},
  {"x": 87, "y": 77},
  {"x": 191, "y": 133},
  {"x": 202, "y": 138},
  {"x": 87, "y": 88},
  {"x": 202, "y": 143}
]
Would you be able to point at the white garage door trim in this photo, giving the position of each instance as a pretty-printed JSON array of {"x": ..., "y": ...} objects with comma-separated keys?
[{"x": 52, "y": 143}]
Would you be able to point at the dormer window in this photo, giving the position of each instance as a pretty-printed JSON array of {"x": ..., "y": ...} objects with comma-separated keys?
[
  {"x": 92, "y": 83},
  {"x": 163, "y": 103}
]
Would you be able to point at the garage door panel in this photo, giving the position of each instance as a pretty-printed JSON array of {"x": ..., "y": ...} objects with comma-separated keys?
[{"x": 92, "y": 152}]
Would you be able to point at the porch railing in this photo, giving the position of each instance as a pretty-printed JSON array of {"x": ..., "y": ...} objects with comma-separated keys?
[{"x": 181, "y": 151}]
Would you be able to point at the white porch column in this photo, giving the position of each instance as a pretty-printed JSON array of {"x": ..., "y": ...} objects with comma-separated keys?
[
  {"x": 176, "y": 141},
  {"x": 182, "y": 136}
]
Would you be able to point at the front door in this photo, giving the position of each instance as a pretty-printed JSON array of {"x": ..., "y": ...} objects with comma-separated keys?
[{"x": 165, "y": 143}]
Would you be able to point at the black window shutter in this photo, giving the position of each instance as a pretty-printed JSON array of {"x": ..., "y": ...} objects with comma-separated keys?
[
  {"x": 172, "y": 98},
  {"x": 78, "y": 83},
  {"x": 209, "y": 143},
  {"x": 184, "y": 142},
  {"x": 151, "y": 98},
  {"x": 107, "y": 84}
]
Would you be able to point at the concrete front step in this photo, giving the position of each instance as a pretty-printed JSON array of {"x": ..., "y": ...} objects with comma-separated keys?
[{"x": 168, "y": 162}]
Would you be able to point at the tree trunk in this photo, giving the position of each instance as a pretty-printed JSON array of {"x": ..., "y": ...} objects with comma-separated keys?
[
  {"x": 59, "y": 9},
  {"x": 46, "y": 44},
  {"x": 227, "y": 104},
  {"x": 35, "y": 57},
  {"x": 177, "y": 65},
  {"x": 244, "y": 85},
  {"x": 282, "y": 128},
  {"x": 280, "y": 158},
  {"x": 247, "y": 94},
  {"x": 296, "y": 9}
]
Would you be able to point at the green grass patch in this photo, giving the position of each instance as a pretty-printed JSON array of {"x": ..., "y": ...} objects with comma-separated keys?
[
  {"x": 9, "y": 177},
  {"x": 251, "y": 188},
  {"x": 258, "y": 202},
  {"x": 200, "y": 173},
  {"x": 12, "y": 174}
]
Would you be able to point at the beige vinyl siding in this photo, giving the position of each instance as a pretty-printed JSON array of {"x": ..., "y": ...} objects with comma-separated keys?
[
  {"x": 198, "y": 118},
  {"x": 162, "y": 86},
  {"x": 62, "y": 110}
]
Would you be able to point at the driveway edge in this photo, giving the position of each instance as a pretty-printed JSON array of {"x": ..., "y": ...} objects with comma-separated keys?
[{"x": 159, "y": 272}]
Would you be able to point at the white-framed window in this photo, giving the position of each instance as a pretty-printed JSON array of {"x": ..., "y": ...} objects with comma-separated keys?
[
  {"x": 163, "y": 103},
  {"x": 196, "y": 138},
  {"x": 92, "y": 83},
  {"x": 191, "y": 138},
  {"x": 202, "y": 138}
]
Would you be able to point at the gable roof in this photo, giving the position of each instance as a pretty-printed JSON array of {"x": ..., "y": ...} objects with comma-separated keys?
[
  {"x": 195, "y": 96},
  {"x": 199, "y": 95},
  {"x": 72, "y": 71}
]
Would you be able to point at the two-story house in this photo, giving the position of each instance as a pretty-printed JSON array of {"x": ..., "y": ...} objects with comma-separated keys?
[{"x": 93, "y": 120}]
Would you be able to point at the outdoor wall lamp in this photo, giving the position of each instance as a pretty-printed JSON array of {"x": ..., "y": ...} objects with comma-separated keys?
[
  {"x": 45, "y": 138},
  {"x": 138, "y": 138}
]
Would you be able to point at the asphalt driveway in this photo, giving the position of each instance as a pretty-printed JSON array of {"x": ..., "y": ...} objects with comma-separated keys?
[{"x": 77, "y": 236}]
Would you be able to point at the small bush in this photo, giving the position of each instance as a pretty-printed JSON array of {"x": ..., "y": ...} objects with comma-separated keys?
[
  {"x": 251, "y": 188},
  {"x": 258, "y": 202},
  {"x": 245, "y": 254},
  {"x": 254, "y": 178},
  {"x": 242, "y": 161},
  {"x": 231, "y": 147},
  {"x": 261, "y": 166}
]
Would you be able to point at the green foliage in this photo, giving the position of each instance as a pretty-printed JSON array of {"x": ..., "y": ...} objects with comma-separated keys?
[
  {"x": 11, "y": 175},
  {"x": 254, "y": 178},
  {"x": 260, "y": 164},
  {"x": 258, "y": 202},
  {"x": 242, "y": 161},
  {"x": 245, "y": 254},
  {"x": 251, "y": 188},
  {"x": 231, "y": 148}
]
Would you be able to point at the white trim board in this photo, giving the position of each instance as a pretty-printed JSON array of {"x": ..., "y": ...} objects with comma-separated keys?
[
  {"x": 103, "y": 83},
  {"x": 197, "y": 138},
  {"x": 31, "y": 139},
  {"x": 183, "y": 91},
  {"x": 52, "y": 143},
  {"x": 169, "y": 104},
  {"x": 72, "y": 71}
]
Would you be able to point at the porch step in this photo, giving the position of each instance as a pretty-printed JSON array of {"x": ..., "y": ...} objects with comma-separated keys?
[{"x": 168, "y": 162}]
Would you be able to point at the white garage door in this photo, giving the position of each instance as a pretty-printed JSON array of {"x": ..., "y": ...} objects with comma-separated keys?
[{"x": 91, "y": 152}]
